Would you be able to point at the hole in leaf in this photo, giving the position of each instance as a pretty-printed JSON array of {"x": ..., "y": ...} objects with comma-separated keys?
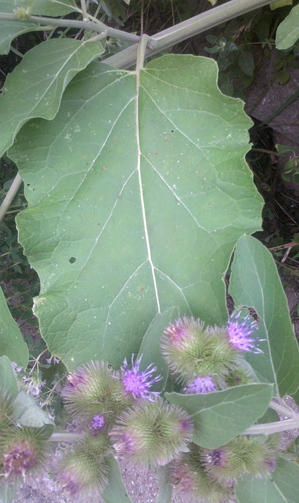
[{"x": 72, "y": 260}]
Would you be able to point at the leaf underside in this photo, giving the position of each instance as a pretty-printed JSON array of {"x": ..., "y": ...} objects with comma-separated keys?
[{"x": 138, "y": 191}]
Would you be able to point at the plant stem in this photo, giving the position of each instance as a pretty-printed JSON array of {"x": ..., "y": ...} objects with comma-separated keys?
[
  {"x": 270, "y": 428},
  {"x": 65, "y": 437},
  {"x": 282, "y": 409},
  {"x": 186, "y": 29},
  {"x": 10, "y": 195},
  {"x": 98, "y": 27}
]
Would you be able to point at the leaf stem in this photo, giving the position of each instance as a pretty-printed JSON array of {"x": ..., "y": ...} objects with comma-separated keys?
[
  {"x": 276, "y": 427},
  {"x": 282, "y": 409},
  {"x": 98, "y": 27},
  {"x": 65, "y": 437},
  {"x": 10, "y": 195}
]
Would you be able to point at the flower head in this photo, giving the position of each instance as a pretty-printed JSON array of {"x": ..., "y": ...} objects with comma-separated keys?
[
  {"x": 182, "y": 331},
  {"x": 240, "y": 331},
  {"x": 84, "y": 470},
  {"x": 190, "y": 476},
  {"x": 190, "y": 348},
  {"x": 23, "y": 452},
  {"x": 200, "y": 385},
  {"x": 152, "y": 432},
  {"x": 138, "y": 383},
  {"x": 94, "y": 390},
  {"x": 237, "y": 377},
  {"x": 243, "y": 455}
]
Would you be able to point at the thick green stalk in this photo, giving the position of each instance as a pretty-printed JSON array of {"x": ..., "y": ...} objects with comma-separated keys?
[
  {"x": 186, "y": 29},
  {"x": 65, "y": 437},
  {"x": 276, "y": 427}
]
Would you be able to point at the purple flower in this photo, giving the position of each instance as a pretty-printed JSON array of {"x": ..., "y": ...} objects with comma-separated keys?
[
  {"x": 137, "y": 382},
  {"x": 201, "y": 385},
  {"x": 239, "y": 333},
  {"x": 97, "y": 423},
  {"x": 19, "y": 458}
]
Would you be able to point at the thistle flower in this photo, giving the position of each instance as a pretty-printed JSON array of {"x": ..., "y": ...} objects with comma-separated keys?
[
  {"x": 190, "y": 349},
  {"x": 84, "y": 470},
  {"x": 152, "y": 432},
  {"x": 243, "y": 455},
  {"x": 94, "y": 389},
  {"x": 240, "y": 331},
  {"x": 200, "y": 385},
  {"x": 24, "y": 450},
  {"x": 138, "y": 383},
  {"x": 189, "y": 475}
]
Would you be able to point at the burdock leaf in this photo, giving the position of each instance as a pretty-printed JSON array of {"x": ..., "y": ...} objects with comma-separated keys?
[
  {"x": 255, "y": 283},
  {"x": 12, "y": 343},
  {"x": 220, "y": 416},
  {"x": 137, "y": 191},
  {"x": 281, "y": 487}
]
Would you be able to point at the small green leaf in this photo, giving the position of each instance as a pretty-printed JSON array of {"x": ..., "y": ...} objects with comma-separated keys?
[
  {"x": 282, "y": 77},
  {"x": 35, "y": 87},
  {"x": 220, "y": 416},
  {"x": 255, "y": 283},
  {"x": 12, "y": 29},
  {"x": 9, "y": 385},
  {"x": 246, "y": 63},
  {"x": 12, "y": 343},
  {"x": 288, "y": 31},
  {"x": 284, "y": 148},
  {"x": 280, "y": 3},
  {"x": 27, "y": 413},
  {"x": 282, "y": 487},
  {"x": 116, "y": 490}
]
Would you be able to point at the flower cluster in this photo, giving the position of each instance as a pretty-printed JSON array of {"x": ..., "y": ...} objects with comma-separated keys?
[
  {"x": 123, "y": 412},
  {"x": 210, "y": 475},
  {"x": 206, "y": 358}
]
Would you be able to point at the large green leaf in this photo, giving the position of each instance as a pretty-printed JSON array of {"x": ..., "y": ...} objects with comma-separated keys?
[
  {"x": 288, "y": 31},
  {"x": 12, "y": 343},
  {"x": 255, "y": 283},
  {"x": 221, "y": 416},
  {"x": 35, "y": 87},
  {"x": 282, "y": 487},
  {"x": 137, "y": 192}
]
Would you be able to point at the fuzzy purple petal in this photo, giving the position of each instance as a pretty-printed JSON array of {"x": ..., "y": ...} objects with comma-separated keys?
[
  {"x": 240, "y": 333},
  {"x": 138, "y": 383}
]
